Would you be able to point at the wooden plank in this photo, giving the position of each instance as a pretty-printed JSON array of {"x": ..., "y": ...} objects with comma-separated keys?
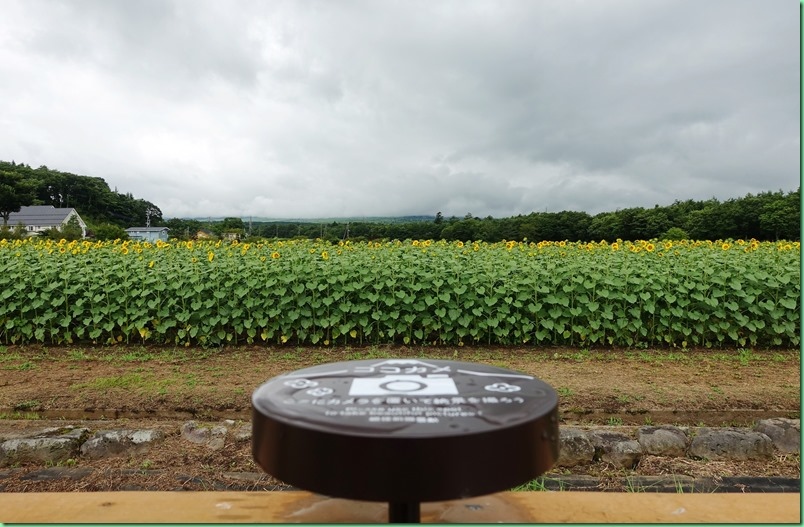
[{"x": 303, "y": 507}]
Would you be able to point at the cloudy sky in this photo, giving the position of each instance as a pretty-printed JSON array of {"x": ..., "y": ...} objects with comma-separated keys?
[{"x": 381, "y": 108}]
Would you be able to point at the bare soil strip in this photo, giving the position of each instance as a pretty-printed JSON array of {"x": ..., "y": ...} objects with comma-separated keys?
[{"x": 143, "y": 387}]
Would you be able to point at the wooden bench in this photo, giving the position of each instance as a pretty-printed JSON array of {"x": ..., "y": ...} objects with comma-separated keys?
[{"x": 299, "y": 506}]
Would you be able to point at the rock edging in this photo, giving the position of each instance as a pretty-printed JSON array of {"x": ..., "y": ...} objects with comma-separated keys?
[
  {"x": 577, "y": 446},
  {"x": 580, "y": 447}
]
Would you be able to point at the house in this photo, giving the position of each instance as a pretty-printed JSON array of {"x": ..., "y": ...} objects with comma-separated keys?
[
  {"x": 148, "y": 234},
  {"x": 205, "y": 234},
  {"x": 38, "y": 218}
]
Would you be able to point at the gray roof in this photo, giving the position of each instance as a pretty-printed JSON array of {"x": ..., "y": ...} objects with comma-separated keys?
[
  {"x": 147, "y": 229},
  {"x": 39, "y": 216}
]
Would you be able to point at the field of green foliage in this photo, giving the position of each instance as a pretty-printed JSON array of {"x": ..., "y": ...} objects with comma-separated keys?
[{"x": 731, "y": 293}]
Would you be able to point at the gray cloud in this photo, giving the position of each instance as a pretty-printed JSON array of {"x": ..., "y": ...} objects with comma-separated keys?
[{"x": 327, "y": 108}]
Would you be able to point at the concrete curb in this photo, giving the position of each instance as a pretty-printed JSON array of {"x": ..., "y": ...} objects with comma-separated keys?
[{"x": 255, "y": 481}]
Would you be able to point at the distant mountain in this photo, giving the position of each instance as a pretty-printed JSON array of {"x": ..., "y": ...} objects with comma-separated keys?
[{"x": 354, "y": 219}]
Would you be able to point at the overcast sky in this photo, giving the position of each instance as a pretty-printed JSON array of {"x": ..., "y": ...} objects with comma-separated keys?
[{"x": 381, "y": 108}]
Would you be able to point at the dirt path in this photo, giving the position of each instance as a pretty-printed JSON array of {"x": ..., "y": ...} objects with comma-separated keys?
[
  {"x": 636, "y": 387},
  {"x": 136, "y": 387}
]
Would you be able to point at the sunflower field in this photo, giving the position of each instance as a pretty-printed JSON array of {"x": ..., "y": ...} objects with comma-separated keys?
[{"x": 649, "y": 293}]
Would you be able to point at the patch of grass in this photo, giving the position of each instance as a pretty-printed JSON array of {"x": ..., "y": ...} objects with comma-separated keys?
[
  {"x": 127, "y": 380},
  {"x": 191, "y": 380},
  {"x": 131, "y": 354},
  {"x": 563, "y": 391},
  {"x": 25, "y": 366},
  {"x": 632, "y": 486},
  {"x": 23, "y": 406},
  {"x": 20, "y": 416},
  {"x": 614, "y": 421},
  {"x": 538, "y": 485},
  {"x": 746, "y": 355},
  {"x": 372, "y": 352},
  {"x": 5, "y": 356},
  {"x": 717, "y": 389},
  {"x": 78, "y": 355},
  {"x": 679, "y": 486},
  {"x": 143, "y": 382}
]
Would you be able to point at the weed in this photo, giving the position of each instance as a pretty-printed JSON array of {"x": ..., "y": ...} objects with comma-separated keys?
[
  {"x": 78, "y": 355},
  {"x": 538, "y": 485},
  {"x": 128, "y": 380},
  {"x": 632, "y": 486},
  {"x": 717, "y": 389},
  {"x": 25, "y": 366},
  {"x": 5, "y": 356},
  {"x": 680, "y": 486},
  {"x": 563, "y": 391},
  {"x": 745, "y": 356},
  {"x": 18, "y": 416},
  {"x": 27, "y": 405},
  {"x": 648, "y": 420},
  {"x": 146, "y": 464},
  {"x": 614, "y": 421},
  {"x": 191, "y": 380},
  {"x": 581, "y": 355}
]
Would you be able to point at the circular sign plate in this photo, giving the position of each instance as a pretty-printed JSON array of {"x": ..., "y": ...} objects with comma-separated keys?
[{"x": 422, "y": 430}]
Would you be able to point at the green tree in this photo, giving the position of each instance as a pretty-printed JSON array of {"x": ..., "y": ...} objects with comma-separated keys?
[
  {"x": 229, "y": 225},
  {"x": 605, "y": 226},
  {"x": 183, "y": 229},
  {"x": 17, "y": 233},
  {"x": 674, "y": 233},
  {"x": 780, "y": 218},
  {"x": 109, "y": 231},
  {"x": 15, "y": 192},
  {"x": 71, "y": 230}
]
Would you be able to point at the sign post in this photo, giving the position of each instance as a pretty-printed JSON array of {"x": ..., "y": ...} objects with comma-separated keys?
[{"x": 405, "y": 431}]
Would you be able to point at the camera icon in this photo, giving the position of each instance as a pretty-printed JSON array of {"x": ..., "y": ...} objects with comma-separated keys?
[
  {"x": 502, "y": 387},
  {"x": 301, "y": 383},
  {"x": 403, "y": 385}
]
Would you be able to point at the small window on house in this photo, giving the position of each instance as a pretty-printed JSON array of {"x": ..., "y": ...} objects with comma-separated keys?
[{"x": 30, "y": 227}]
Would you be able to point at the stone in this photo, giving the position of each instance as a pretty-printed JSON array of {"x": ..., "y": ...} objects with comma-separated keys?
[
  {"x": 736, "y": 444},
  {"x": 213, "y": 437},
  {"x": 50, "y": 447},
  {"x": 243, "y": 433},
  {"x": 108, "y": 443},
  {"x": 616, "y": 448},
  {"x": 785, "y": 433},
  {"x": 662, "y": 440},
  {"x": 49, "y": 474},
  {"x": 575, "y": 448}
]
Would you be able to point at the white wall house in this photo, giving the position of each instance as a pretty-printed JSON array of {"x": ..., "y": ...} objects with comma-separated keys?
[
  {"x": 38, "y": 218},
  {"x": 148, "y": 234}
]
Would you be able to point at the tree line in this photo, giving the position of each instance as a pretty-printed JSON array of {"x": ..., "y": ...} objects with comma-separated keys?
[
  {"x": 765, "y": 216},
  {"x": 105, "y": 211}
]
